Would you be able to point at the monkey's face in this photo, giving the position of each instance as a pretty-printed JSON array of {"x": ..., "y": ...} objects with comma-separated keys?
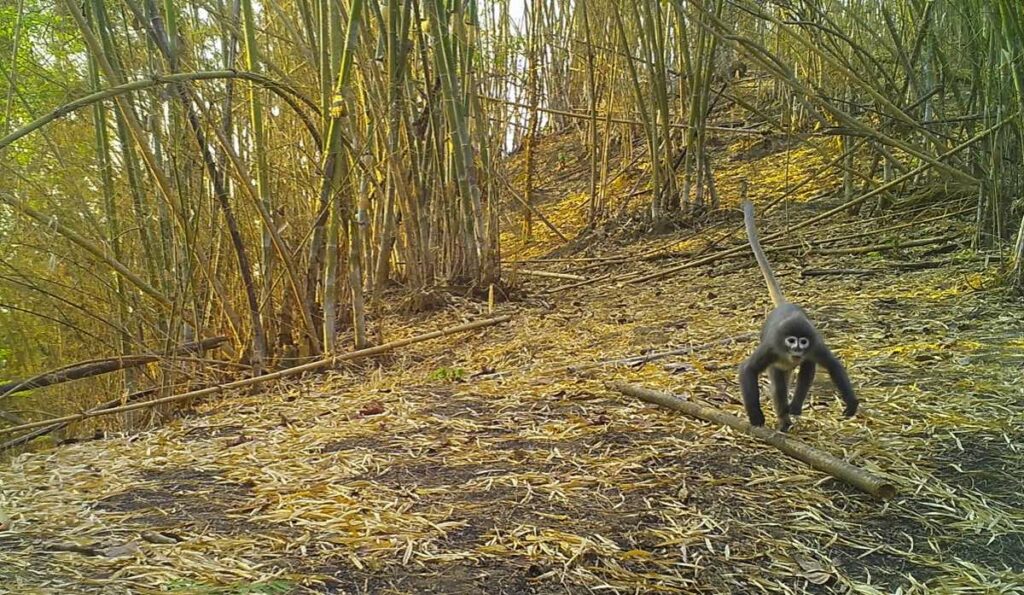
[{"x": 796, "y": 347}]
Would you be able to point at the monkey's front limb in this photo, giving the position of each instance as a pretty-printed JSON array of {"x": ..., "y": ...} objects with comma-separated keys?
[
  {"x": 837, "y": 373},
  {"x": 750, "y": 370},
  {"x": 780, "y": 396},
  {"x": 804, "y": 378}
]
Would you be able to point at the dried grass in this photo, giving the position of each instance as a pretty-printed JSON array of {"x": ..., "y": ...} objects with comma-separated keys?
[{"x": 543, "y": 481}]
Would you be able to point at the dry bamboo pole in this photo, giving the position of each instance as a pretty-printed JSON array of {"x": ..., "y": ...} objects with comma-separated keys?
[
  {"x": 98, "y": 367},
  {"x": 113, "y": 227},
  {"x": 859, "y": 478},
  {"x": 338, "y": 158},
  {"x": 595, "y": 206},
  {"x": 220, "y": 388},
  {"x": 533, "y": 14},
  {"x": 262, "y": 197},
  {"x": 566, "y": 276}
]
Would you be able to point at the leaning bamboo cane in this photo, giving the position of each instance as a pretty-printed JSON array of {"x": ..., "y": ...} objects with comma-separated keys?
[
  {"x": 98, "y": 367},
  {"x": 220, "y": 388},
  {"x": 820, "y": 460}
]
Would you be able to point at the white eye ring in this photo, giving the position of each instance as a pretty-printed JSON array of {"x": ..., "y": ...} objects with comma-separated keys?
[
  {"x": 804, "y": 342},
  {"x": 791, "y": 342}
]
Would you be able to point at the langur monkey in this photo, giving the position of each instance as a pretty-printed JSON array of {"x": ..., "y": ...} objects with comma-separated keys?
[{"x": 788, "y": 341}]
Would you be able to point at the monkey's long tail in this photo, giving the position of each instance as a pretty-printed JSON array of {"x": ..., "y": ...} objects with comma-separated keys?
[{"x": 766, "y": 269}]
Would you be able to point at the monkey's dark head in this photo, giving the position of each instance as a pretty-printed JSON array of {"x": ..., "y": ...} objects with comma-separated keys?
[
  {"x": 796, "y": 347},
  {"x": 792, "y": 335}
]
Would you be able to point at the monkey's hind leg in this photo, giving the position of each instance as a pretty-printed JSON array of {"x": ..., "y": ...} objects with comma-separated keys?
[
  {"x": 780, "y": 396},
  {"x": 804, "y": 378}
]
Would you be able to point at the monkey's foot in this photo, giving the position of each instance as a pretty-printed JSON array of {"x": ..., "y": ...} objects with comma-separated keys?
[{"x": 784, "y": 424}]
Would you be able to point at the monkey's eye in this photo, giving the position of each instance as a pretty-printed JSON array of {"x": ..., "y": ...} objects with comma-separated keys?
[
  {"x": 791, "y": 342},
  {"x": 804, "y": 342}
]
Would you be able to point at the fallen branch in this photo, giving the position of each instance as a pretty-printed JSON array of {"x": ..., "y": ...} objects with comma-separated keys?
[
  {"x": 820, "y": 460},
  {"x": 98, "y": 367},
  {"x": 220, "y": 388},
  {"x": 566, "y": 276},
  {"x": 650, "y": 357},
  {"x": 894, "y": 245},
  {"x": 578, "y": 284},
  {"x": 839, "y": 272}
]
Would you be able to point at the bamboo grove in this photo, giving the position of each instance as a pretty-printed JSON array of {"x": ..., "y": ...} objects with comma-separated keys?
[{"x": 268, "y": 171}]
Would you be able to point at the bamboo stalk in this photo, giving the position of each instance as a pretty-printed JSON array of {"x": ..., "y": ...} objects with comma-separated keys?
[
  {"x": 855, "y": 476},
  {"x": 262, "y": 197},
  {"x": 221, "y": 388},
  {"x": 547, "y": 222}
]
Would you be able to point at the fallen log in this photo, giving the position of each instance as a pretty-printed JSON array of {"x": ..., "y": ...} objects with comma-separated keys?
[
  {"x": 820, "y": 460},
  {"x": 98, "y": 367},
  {"x": 220, "y": 388}
]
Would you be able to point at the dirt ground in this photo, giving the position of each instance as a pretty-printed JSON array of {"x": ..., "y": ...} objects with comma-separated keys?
[{"x": 481, "y": 463}]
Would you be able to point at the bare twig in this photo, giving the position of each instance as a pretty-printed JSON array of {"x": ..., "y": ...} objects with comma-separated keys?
[{"x": 579, "y": 284}]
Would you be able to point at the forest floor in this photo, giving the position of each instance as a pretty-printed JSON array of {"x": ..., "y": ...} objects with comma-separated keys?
[{"x": 482, "y": 463}]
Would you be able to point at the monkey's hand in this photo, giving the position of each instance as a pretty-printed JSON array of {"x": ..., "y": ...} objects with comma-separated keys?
[
  {"x": 784, "y": 424},
  {"x": 756, "y": 419},
  {"x": 851, "y": 409}
]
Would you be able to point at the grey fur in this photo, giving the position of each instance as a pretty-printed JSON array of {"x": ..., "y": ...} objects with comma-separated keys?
[{"x": 788, "y": 341}]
